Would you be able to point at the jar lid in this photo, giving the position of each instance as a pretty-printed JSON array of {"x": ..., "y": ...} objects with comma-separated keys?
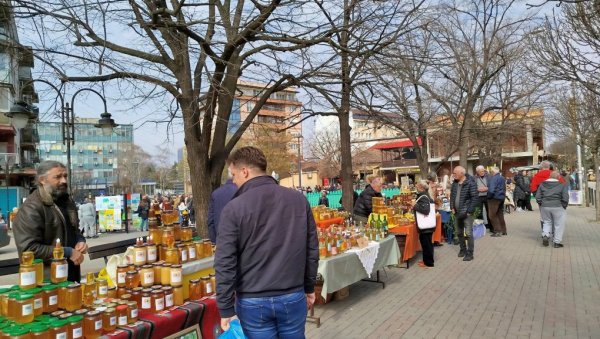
[
  {"x": 49, "y": 287},
  {"x": 112, "y": 288},
  {"x": 101, "y": 308},
  {"x": 39, "y": 327},
  {"x": 157, "y": 292},
  {"x": 138, "y": 289},
  {"x": 17, "y": 331},
  {"x": 166, "y": 265},
  {"x": 35, "y": 290},
  {"x": 37, "y": 261},
  {"x": 61, "y": 259},
  {"x": 122, "y": 307},
  {"x": 59, "y": 323},
  {"x": 92, "y": 313},
  {"x": 132, "y": 272},
  {"x": 156, "y": 287},
  {"x": 146, "y": 290},
  {"x": 81, "y": 311},
  {"x": 75, "y": 318},
  {"x": 126, "y": 296},
  {"x": 65, "y": 315},
  {"x": 110, "y": 310},
  {"x": 132, "y": 303},
  {"x": 176, "y": 266},
  {"x": 4, "y": 290},
  {"x": 64, "y": 284},
  {"x": 205, "y": 278},
  {"x": 194, "y": 281},
  {"x": 122, "y": 266},
  {"x": 100, "y": 279},
  {"x": 158, "y": 263},
  {"x": 13, "y": 295},
  {"x": 57, "y": 313},
  {"x": 73, "y": 286},
  {"x": 42, "y": 318},
  {"x": 24, "y": 296},
  {"x": 147, "y": 266},
  {"x": 211, "y": 275},
  {"x": 167, "y": 288}
]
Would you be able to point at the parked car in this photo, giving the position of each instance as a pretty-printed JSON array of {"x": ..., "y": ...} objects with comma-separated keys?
[{"x": 4, "y": 237}]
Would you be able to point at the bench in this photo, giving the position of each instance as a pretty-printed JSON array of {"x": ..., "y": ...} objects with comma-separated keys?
[{"x": 106, "y": 250}]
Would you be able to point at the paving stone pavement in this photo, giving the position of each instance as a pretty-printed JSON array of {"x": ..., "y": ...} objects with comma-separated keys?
[{"x": 515, "y": 288}]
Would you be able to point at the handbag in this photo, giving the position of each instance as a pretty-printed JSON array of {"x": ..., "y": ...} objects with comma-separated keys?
[{"x": 426, "y": 222}]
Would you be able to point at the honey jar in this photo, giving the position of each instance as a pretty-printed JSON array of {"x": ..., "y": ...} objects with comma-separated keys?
[
  {"x": 49, "y": 298},
  {"x": 199, "y": 249},
  {"x": 75, "y": 326},
  {"x": 186, "y": 234},
  {"x": 146, "y": 298},
  {"x": 59, "y": 270},
  {"x": 207, "y": 289},
  {"x": 139, "y": 249},
  {"x": 177, "y": 232},
  {"x": 38, "y": 301},
  {"x": 62, "y": 294},
  {"x": 208, "y": 252},
  {"x": 27, "y": 277},
  {"x": 133, "y": 312},
  {"x": 109, "y": 320},
  {"x": 4, "y": 301},
  {"x": 23, "y": 308},
  {"x": 177, "y": 295},
  {"x": 176, "y": 275},
  {"x": 121, "y": 273},
  {"x": 195, "y": 289},
  {"x": 39, "y": 271},
  {"x": 132, "y": 279},
  {"x": 40, "y": 331},
  {"x": 151, "y": 254},
  {"x": 92, "y": 324},
  {"x": 168, "y": 291},
  {"x": 11, "y": 308},
  {"x": 156, "y": 267},
  {"x": 155, "y": 235},
  {"x": 121, "y": 314},
  {"x": 59, "y": 328},
  {"x": 147, "y": 276},
  {"x": 121, "y": 291},
  {"x": 172, "y": 255},
  {"x": 101, "y": 288},
  {"x": 168, "y": 237},
  {"x": 73, "y": 297},
  {"x": 136, "y": 295},
  {"x": 165, "y": 274},
  {"x": 183, "y": 253},
  {"x": 191, "y": 249},
  {"x": 112, "y": 292},
  {"x": 158, "y": 301},
  {"x": 213, "y": 282},
  {"x": 81, "y": 311}
]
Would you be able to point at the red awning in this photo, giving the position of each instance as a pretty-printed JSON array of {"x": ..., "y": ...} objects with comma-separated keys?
[{"x": 396, "y": 144}]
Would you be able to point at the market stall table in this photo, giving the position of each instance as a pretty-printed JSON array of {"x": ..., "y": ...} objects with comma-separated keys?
[
  {"x": 160, "y": 325},
  {"x": 412, "y": 244},
  {"x": 329, "y": 222}
]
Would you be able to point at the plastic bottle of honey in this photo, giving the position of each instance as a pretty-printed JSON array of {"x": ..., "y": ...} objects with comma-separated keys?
[
  {"x": 27, "y": 278},
  {"x": 59, "y": 269}
]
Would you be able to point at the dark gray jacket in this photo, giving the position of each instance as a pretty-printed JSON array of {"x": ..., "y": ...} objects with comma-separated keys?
[
  {"x": 266, "y": 244},
  {"x": 552, "y": 193},
  {"x": 469, "y": 197},
  {"x": 364, "y": 204}
]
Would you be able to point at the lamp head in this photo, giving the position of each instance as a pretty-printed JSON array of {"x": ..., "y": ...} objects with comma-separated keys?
[{"x": 106, "y": 123}]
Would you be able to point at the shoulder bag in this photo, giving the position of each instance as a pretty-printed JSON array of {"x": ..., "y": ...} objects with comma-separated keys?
[{"x": 426, "y": 222}]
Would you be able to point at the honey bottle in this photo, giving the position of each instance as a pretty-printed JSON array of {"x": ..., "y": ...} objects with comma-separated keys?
[
  {"x": 150, "y": 250},
  {"x": 89, "y": 290},
  {"x": 139, "y": 249},
  {"x": 59, "y": 269},
  {"x": 27, "y": 277}
]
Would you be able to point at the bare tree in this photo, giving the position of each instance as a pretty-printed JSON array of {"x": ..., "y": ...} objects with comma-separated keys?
[
  {"x": 363, "y": 29},
  {"x": 188, "y": 56}
]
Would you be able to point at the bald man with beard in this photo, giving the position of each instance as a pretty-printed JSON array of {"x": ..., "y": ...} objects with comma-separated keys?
[{"x": 464, "y": 198}]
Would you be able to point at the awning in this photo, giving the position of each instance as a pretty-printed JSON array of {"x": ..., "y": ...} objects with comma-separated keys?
[{"x": 396, "y": 144}]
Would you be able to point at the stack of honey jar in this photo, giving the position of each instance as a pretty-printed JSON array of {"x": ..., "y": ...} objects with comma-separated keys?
[
  {"x": 173, "y": 245},
  {"x": 61, "y": 309}
]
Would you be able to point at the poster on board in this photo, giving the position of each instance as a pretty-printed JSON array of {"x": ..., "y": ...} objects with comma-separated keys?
[{"x": 109, "y": 212}]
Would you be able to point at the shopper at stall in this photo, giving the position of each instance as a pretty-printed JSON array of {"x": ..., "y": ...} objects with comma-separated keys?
[
  {"x": 553, "y": 198},
  {"x": 267, "y": 253},
  {"x": 218, "y": 199},
  {"x": 463, "y": 201},
  {"x": 364, "y": 204},
  {"x": 323, "y": 199},
  {"x": 423, "y": 206},
  {"x": 49, "y": 214},
  {"x": 495, "y": 195},
  {"x": 143, "y": 212},
  {"x": 87, "y": 218}
]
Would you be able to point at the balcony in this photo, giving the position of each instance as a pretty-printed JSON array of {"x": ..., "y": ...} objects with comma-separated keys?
[
  {"x": 29, "y": 138},
  {"x": 399, "y": 163}
]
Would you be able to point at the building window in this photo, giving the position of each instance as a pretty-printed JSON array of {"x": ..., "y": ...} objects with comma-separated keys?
[
  {"x": 267, "y": 119},
  {"x": 271, "y": 107},
  {"x": 291, "y": 97},
  {"x": 5, "y": 99},
  {"x": 292, "y": 109},
  {"x": 280, "y": 96},
  {"x": 4, "y": 68},
  {"x": 250, "y": 106}
]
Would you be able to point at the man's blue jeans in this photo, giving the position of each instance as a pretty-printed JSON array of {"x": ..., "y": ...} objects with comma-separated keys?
[
  {"x": 282, "y": 316},
  {"x": 144, "y": 224}
]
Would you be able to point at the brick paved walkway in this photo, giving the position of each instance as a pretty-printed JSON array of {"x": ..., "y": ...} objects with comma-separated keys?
[{"x": 515, "y": 288}]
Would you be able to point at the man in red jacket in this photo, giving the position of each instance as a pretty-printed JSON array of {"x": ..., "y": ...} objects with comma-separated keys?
[{"x": 542, "y": 175}]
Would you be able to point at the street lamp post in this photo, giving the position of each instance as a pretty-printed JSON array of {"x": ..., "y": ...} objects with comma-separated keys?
[{"x": 299, "y": 137}]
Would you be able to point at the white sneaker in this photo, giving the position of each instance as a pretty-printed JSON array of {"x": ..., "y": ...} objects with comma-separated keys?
[{"x": 519, "y": 209}]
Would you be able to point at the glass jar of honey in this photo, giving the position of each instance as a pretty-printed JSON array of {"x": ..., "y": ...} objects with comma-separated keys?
[
  {"x": 208, "y": 252},
  {"x": 17, "y": 332},
  {"x": 156, "y": 267},
  {"x": 62, "y": 294},
  {"x": 168, "y": 291},
  {"x": 126, "y": 296},
  {"x": 133, "y": 312},
  {"x": 165, "y": 274},
  {"x": 176, "y": 275},
  {"x": 146, "y": 300},
  {"x": 177, "y": 295},
  {"x": 101, "y": 288},
  {"x": 168, "y": 237},
  {"x": 11, "y": 311},
  {"x": 183, "y": 253},
  {"x": 151, "y": 254},
  {"x": 112, "y": 292},
  {"x": 24, "y": 308},
  {"x": 121, "y": 291},
  {"x": 191, "y": 249},
  {"x": 40, "y": 331},
  {"x": 121, "y": 273},
  {"x": 155, "y": 234},
  {"x": 199, "y": 249},
  {"x": 39, "y": 271},
  {"x": 132, "y": 279},
  {"x": 73, "y": 297},
  {"x": 59, "y": 328},
  {"x": 186, "y": 234},
  {"x": 207, "y": 289},
  {"x": 158, "y": 301},
  {"x": 195, "y": 289},
  {"x": 121, "y": 314},
  {"x": 75, "y": 326},
  {"x": 140, "y": 253},
  {"x": 27, "y": 277},
  {"x": 4, "y": 301},
  {"x": 92, "y": 324},
  {"x": 38, "y": 301},
  {"x": 136, "y": 295},
  {"x": 88, "y": 296},
  {"x": 177, "y": 232},
  {"x": 147, "y": 276},
  {"x": 172, "y": 256},
  {"x": 213, "y": 282},
  {"x": 59, "y": 270},
  {"x": 109, "y": 320}
]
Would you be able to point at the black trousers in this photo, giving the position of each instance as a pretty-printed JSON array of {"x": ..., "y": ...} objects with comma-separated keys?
[{"x": 427, "y": 247}]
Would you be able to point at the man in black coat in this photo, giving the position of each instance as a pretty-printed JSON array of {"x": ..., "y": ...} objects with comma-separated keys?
[
  {"x": 463, "y": 201},
  {"x": 364, "y": 204}
]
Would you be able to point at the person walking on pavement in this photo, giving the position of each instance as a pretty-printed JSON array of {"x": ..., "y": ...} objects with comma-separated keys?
[
  {"x": 553, "y": 198},
  {"x": 218, "y": 199},
  {"x": 463, "y": 201},
  {"x": 542, "y": 175},
  {"x": 496, "y": 195},
  {"x": 423, "y": 206},
  {"x": 87, "y": 216},
  {"x": 143, "y": 211},
  {"x": 483, "y": 182},
  {"x": 49, "y": 214},
  {"x": 521, "y": 192},
  {"x": 267, "y": 253}
]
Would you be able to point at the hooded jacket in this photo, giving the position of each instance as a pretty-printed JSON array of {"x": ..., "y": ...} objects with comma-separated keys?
[
  {"x": 540, "y": 177},
  {"x": 552, "y": 193},
  {"x": 266, "y": 244}
]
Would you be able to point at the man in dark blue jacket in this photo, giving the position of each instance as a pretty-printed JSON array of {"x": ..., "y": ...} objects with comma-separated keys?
[
  {"x": 218, "y": 199},
  {"x": 463, "y": 201},
  {"x": 267, "y": 253},
  {"x": 496, "y": 195}
]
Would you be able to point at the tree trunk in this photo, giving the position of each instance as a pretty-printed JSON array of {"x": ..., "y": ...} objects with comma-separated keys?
[
  {"x": 344, "y": 117},
  {"x": 597, "y": 190}
]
